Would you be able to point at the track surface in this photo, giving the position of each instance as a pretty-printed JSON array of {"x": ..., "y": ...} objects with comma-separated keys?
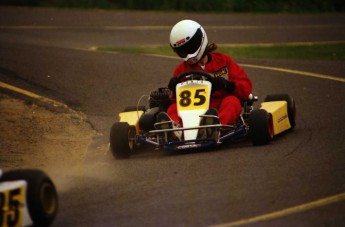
[{"x": 46, "y": 51}]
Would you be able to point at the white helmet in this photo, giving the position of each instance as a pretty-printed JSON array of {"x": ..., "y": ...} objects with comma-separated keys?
[{"x": 188, "y": 39}]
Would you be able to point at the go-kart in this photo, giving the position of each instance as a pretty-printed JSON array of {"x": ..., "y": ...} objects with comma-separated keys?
[
  {"x": 27, "y": 198},
  {"x": 138, "y": 125}
]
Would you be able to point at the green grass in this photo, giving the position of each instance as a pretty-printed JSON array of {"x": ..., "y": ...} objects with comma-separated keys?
[
  {"x": 307, "y": 52},
  {"x": 334, "y": 52}
]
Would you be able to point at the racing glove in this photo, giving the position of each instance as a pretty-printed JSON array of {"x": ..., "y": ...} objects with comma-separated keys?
[
  {"x": 221, "y": 83},
  {"x": 172, "y": 83}
]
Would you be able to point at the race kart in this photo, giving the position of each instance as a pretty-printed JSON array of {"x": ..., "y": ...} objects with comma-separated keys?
[
  {"x": 138, "y": 124},
  {"x": 27, "y": 198}
]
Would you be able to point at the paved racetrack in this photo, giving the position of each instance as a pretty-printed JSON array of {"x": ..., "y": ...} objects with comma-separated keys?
[{"x": 153, "y": 188}]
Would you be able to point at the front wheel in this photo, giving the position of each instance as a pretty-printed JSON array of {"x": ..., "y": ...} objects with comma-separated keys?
[
  {"x": 260, "y": 127},
  {"x": 122, "y": 140},
  {"x": 41, "y": 195}
]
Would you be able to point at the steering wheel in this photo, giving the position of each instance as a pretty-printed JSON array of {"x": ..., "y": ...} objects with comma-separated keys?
[{"x": 195, "y": 73}]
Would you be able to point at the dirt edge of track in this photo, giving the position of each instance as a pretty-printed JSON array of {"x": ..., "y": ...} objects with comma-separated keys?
[{"x": 33, "y": 136}]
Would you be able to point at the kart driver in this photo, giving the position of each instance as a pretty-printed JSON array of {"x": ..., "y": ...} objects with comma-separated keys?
[{"x": 231, "y": 84}]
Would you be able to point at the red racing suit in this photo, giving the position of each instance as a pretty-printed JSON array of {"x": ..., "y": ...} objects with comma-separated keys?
[{"x": 228, "y": 105}]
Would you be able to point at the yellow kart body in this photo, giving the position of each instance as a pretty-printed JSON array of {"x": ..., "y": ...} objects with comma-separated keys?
[
  {"x": 279, "y": 113},
  {"x": 132, "y": 118},
  {"x": 277, "y": 109}
]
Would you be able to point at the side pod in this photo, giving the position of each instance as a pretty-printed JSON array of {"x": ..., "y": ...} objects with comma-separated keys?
[
  {"x": 132, "y": 118},
  {"x": 279, "y": 113}
]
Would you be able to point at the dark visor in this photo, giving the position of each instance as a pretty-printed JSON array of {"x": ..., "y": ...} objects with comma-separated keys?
[{"x": 191, "y": 46}]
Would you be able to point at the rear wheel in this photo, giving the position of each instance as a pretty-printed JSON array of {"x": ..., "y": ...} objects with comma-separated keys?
[
  {"x": 41, "y": 194},
  {"x": 260, "y": 127},
  {"x": 291, "y": 106},
  {"x": 122, "y": 140}
]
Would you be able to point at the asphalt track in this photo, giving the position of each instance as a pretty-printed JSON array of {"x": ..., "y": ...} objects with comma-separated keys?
[{"x": 298, "y": 180}]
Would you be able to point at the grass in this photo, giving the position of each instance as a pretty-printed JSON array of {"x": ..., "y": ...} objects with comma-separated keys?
[
  {"x": 334, "y": 52},
  {"x": 307, "y": 52}
]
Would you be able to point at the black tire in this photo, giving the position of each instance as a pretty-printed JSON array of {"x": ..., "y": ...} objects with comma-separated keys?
[
  {"x": 260, "y": 127},
  {"x": 41, "y": 194},
  {"x": 122, "y": 140},
  {"x": 147, "y": 120},
  {"x": 290, "y": 105},
  {"x": 135, "y": 108}
]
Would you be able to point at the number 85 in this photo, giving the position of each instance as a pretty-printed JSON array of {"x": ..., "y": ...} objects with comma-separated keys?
[{"x": 186, "y": 98}]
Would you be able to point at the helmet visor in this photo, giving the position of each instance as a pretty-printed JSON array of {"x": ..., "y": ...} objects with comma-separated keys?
[{"x": 191, "y": 46}]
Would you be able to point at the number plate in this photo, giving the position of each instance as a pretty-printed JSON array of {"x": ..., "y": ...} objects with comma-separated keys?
[
  {"x": 193, "y": 97},
  {"x": 12, "y": 203}
]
